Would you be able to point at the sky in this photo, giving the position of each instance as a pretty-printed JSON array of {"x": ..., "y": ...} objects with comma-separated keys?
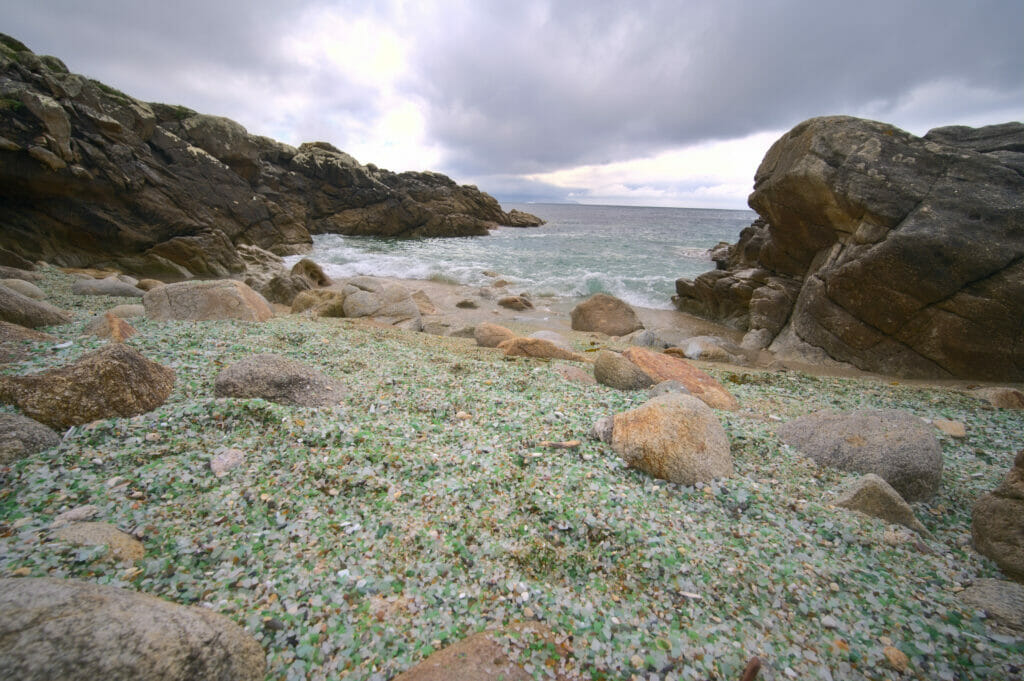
[{"x": 627, "y": 103}]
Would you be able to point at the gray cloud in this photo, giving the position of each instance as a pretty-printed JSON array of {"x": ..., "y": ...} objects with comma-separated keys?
[
  {"x": 509, "y": 88},
  {"x": 562, "y": 83}
]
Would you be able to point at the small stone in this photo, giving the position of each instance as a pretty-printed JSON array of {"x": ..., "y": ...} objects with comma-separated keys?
[
  {"x": 951, "y": 428},
  {"x": 226, "y": 461},
  {"x": 637, "y": 662},
  {"x": 77, "y": 514},
  {"x": 122, "y": 545},
  {"x": 896, "y": 657},
  {"x": 829, "y": 622},
  {"x": 463, "y": 416}
]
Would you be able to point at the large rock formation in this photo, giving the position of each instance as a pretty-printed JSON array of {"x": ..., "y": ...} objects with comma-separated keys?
[
  {"x": 895, "y": 253},
  {"x": 92, "y": 177}
]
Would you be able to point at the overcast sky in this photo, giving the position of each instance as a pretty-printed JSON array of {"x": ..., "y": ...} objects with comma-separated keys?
[{"x": 639, "y": 102}]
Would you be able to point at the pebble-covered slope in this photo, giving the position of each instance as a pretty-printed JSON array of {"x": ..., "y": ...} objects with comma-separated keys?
[{"x": 353, "y": 541}]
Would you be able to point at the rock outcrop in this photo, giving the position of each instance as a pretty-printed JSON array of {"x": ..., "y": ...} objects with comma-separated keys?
[
  {"x": 79, "y": 631},
  {"x": 90, "y": 176},
  {"x": 894, "y": 253}
]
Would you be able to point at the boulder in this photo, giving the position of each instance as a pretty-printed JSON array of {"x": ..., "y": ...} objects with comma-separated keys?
[
  {"x": 111, "y": 286},
  {"x": 574, "y": 374},
  {"x": 538, "y": 347},
  {"x": 713, "y": 349},
  {"x": 110, "y": 326},
  {"x": 673, "y": 437},
  {"x": 79, "y": 631},
  {"x": 278, "y": 379},
  {"x": 1001, "y": 600},
  {"x": 206, "y": 300},
  {"x": 283, "y": 288},
  {"x": 1000, "y": 398},
  {"x": 491, "y": 335},
  {"x": 320, "y": 303},
  {"x": 388, "y": 303},
  {"x": 311, "y": 272},
  {"x": 518, "y": 218},
  {"x": 518, "y": 303},
  {"x": 120, "y": 545},
  {"x": 16, "y": 341},
  {"x": 25, "y": 288},
  {"x": 873, "y": 496},
  {"x": 260, "y": 266},
  {"x": 21, "y": 436},
  {"x": 149, "y": 284},
  {"x": 16, "y": 273},
  {"x": 128, "y": 311},
  {"x": 867, "y": 248},
  {"x": 997, "y": 522},
  {"x": 113, "y": 381},
  {"x": 605, "y": 314},
  {"x": 666, "y": 387},
  {"x": 24, "y": 311},
  {"x": 661, "y": 367},
  {"x": 615, "y": 371},
  {"x": 898, "y": 447}
]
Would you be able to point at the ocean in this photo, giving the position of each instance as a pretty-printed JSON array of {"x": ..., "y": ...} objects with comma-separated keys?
[{"x": 635, "y": 253}]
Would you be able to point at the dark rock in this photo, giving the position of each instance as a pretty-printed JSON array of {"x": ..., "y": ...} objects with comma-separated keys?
[
  {"x": 898, "y": 447},
  {"x": 897, "y": 254},
  {"x": 518, "y": 218},
  {"x": 113, "y": 381},
  {"x": 89, "y": 175},
  {"x": 997, "y": 522},
  {"x": 24, "y": 311},
  {"x": 79, "y": 631},
  {"x": 278, "y": 379},
  {"x": 21, "y": 436},
  {"x": 605, "y": 314}
]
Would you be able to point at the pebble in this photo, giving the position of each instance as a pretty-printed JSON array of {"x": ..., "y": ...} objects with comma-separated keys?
[
  {"x": 896, "y": 657},
  {"x": 829, "y": 622}
]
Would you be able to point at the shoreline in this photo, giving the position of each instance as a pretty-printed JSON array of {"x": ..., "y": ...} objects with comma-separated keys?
[{"x": 552, "y": 313}]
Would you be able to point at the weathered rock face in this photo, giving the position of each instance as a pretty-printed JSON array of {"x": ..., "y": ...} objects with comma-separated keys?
[
  {"x": 605, "y": 314},
  {"x": 278, "y": 379},
  {"x": 997, "y": 522},
  {"x": 91, "y": 176},
  {"x": 68, "y": 629},
  {"x": 897, "y": 254},
  {"x": 896, "y": 446},
  {"x": 206, "y": 300},
  {"x": 115, "y": 380},
  {"x": 21, "y": 436},
  {"x": 673, "y": 437}
]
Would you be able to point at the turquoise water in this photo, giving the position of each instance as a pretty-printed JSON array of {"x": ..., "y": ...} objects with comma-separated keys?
[{"x": 634, "y": 253}]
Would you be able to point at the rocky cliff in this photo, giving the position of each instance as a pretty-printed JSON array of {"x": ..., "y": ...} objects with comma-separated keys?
[
  {"x": 92, "y": 177},
  {"x": 897, "y": 254}
]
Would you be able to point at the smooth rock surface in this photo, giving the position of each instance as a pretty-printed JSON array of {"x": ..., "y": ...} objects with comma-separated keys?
[
  {"x": 605, "y": 314},
  {"x": 121, "y": 545},
  {"x": 206, "y": 300},
  {"x": 25, "y": 288},
  {"x": 79, "y": 631},
  {"x": 997, "y": 522},
  {"x": 662, "y": 367},
  {"x": 873, "y": 496},
  {"x": 111, "y": 286},
  {"x": 24, "y": 311},
  {"x": 615, "y": 371},
  {"x": 21, "y": 436},
  {"x": 897, "y": 446},
  {"x": 538, "y": 347},
  {"x": 278, "y": 379},
  {"x": 491, "y": 335}
]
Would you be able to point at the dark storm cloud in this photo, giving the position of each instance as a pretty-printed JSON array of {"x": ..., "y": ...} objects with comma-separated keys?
[{"x": 527, "y": 87}]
